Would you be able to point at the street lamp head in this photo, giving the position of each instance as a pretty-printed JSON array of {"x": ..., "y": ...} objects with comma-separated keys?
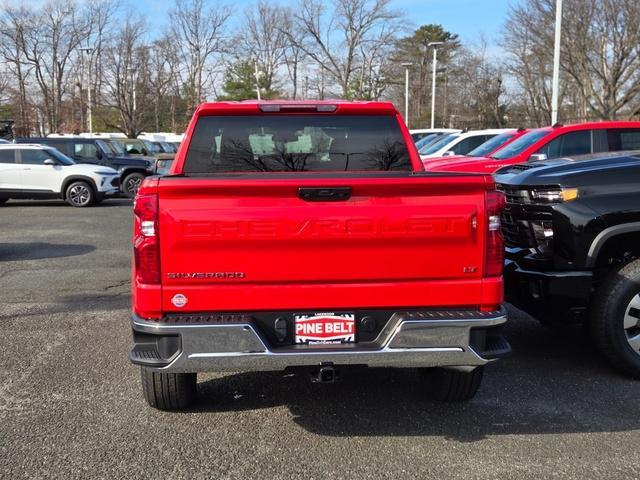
[{"x": 434, "y": 44}]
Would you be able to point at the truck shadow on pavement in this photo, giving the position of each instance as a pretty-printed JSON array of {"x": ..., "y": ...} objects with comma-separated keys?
[
  {"x": 554, "y": 383},
  {"x": 41, "y": 250}
]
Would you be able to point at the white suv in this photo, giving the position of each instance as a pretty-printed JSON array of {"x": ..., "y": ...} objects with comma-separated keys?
[{"x": 36, "y": 171}]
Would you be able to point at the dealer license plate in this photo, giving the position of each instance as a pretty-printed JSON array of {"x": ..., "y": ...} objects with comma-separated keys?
[{"x": 325, "y": 328}]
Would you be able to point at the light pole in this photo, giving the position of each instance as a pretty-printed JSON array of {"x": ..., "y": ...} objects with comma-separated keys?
[
  {"x": 257, "y": 75},
  {"x": 406, "y": 66},
  {"x": 556, "y": 64},
  {"x": 89, "y": 51},
  {"x": 435, "y": 46}
]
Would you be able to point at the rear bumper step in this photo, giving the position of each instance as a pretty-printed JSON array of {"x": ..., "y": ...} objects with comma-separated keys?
[{"x": 410, "y": 339}]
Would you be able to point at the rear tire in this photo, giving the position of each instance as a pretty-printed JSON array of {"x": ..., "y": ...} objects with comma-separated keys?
[
  {"x": 447, "y": 385},
  {"x": 168, "y": 391},
  {"x": 80, "y": 194},
  {"x": 131, "y": 183},
  {"x": 615, "y": 318}
]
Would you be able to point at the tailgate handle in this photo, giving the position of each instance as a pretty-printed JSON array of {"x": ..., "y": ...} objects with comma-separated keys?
[{"x": 324, "y": 194}]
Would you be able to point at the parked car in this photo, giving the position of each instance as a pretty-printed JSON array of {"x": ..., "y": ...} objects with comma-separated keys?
[
  {"x": 553, "y": 142},
  {"x": 419, "y": 133},
  {"x": 40, "y": 172},
  {"x": 157, "y": 150},
  {"x": 137, "y": 147},
  {"x": 167, "y": 147},
  {"x": 306, "y": 234},
  {"x": 572, "y": 228},
  {"x": 459, "y": 143},
  {"x": 131, "y": 170},
  {"x": 485, "y": 149},
  {"x": 429, "y": 138}
]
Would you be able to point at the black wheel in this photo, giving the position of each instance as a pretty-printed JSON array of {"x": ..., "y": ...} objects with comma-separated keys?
[
  {"x": 168, "y": 391},
  {"x": 3, "y": 200},
  {"x": 615, "y": 318},
  {"x": 80, "y": 194},
  {"x": 131, "y": 183},
  {"x": 452, "y": 385}
]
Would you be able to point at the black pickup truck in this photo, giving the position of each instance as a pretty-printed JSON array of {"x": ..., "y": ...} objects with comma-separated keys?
[{"x": 572, "y": 231}]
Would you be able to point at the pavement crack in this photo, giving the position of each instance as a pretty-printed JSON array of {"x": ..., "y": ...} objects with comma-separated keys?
[{"x": 117, "y": 285}]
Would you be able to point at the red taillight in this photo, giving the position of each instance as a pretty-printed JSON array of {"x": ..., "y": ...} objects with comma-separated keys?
[
  {"x": 146, "y": 252},
  {"x": 494, "y": 255}
]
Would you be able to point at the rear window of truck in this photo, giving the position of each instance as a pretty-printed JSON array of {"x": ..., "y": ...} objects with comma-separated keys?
[{"x": 296, "y": 143}]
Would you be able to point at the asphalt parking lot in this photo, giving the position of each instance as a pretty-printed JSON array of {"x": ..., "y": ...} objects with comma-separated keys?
[{"x": 71, "y": 404}]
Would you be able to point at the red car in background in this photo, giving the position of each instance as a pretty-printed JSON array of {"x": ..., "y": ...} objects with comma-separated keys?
[
  {"x": 486, "y": 149},
  {"x": 551, "y": 142}
]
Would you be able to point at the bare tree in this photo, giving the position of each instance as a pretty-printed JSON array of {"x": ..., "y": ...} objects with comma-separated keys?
[
  {"x": 50, "y": 42},
  {"x": 530, "y": 58},
  {"x": 101, "y": 14},
  {"x": 602, "y": 54},
  {"x": 294, "y": 55},
  {"x": 476, "y": 88},
  {"x": 375, "y": 67},
  {"x": 263, "y": 40},
  {"x": 13, "y": 22},
  {"x": 163, "y": 63},
  {"x": 600, "y": 57},
  {"x": 198, "y": 33},
  {"x": 126, "y": 79},
  {"x": 338, "y": 31}
]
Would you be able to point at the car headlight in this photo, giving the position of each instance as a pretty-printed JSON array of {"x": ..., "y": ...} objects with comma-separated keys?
[{"x": 554, "y": 195}]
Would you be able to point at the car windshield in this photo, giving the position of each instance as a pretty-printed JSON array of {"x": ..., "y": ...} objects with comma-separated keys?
[
  {"x": 520, "y": 145},
  {"x": 426, "y": 140},
  {"x": 490, "y": 145},
  {"x": 60, "y": 157},
  {"x": 116, "y": 147},
  {"x": 132, "y": 146},
  {"x": 105, "y": 146},
  {"x": 151, "y": 146},
  {"x": 437, "y": 145}
]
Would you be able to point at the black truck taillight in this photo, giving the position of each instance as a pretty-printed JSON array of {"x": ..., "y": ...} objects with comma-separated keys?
[
  {"x": 146, "y": 251},
  {"x": 494, "y": 253}
]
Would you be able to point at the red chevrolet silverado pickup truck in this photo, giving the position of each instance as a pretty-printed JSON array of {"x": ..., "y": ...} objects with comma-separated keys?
[{"x": 308, "y": 235}]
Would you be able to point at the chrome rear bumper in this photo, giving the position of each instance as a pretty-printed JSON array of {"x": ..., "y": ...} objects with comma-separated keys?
[{"x": 410, "y": 339}]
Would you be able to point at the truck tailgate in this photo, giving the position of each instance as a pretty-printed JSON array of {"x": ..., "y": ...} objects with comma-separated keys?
[{"x": 240, "y": 243}]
